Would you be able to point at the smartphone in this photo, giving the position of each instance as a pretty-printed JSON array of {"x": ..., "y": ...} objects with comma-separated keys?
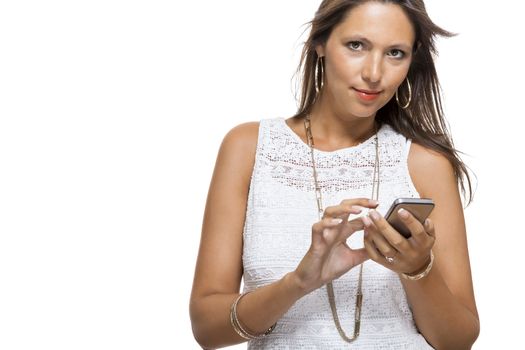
[{"x": 419, "y": 207}]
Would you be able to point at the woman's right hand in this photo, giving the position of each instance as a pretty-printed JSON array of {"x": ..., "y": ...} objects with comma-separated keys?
[{"x": 329, "y": 257}]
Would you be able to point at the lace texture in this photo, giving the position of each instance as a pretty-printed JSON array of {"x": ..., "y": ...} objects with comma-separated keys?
[{"x": 280, "y": 212}]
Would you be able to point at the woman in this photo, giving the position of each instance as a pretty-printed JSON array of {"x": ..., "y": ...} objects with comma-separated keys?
[{"x": 284, "y": 193}]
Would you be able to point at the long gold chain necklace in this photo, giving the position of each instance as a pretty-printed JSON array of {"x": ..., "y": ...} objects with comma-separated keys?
[{"x": 329, "y": 285}]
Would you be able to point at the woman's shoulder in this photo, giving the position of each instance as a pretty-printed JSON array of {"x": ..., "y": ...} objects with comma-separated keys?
[
  {"x": 246, "y": 135},
  {"x": 426, "y": 158},
  {"x": 240, "y": 143},
  {"x": 243, "y": 134},
  {"x": 429, "y": 169},
  {"x": 236, "y": 158}
]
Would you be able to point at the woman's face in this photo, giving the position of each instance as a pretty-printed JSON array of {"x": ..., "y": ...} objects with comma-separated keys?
[{"x": 370, "y": 50}]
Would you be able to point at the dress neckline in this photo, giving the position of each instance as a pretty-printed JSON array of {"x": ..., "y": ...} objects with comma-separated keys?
[{"x": 357, "y": 147}]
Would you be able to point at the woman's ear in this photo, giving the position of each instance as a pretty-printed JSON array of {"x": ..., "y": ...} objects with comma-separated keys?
[{"x": 320, "y": 50}]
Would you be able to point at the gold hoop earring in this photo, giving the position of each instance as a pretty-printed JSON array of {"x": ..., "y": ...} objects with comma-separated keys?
[
  {"x": 409, "y": 96},
  {"x": 318, "y": 63}
]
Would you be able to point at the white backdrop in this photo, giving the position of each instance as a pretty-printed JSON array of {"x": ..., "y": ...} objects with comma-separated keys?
[{"x": 111, "y": 115}]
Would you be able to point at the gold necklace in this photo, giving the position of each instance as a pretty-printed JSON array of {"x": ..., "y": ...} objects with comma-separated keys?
[{"x": 329, "y": 285}]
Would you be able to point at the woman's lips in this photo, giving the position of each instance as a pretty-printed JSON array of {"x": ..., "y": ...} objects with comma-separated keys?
[{"x": 367, "y": 95}]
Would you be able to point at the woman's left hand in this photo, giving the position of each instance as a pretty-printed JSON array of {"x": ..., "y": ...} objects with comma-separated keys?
[{"x": 389, "y": 248}]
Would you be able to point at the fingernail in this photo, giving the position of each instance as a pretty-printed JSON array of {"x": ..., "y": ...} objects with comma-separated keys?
[
  {"x": 366, "y": 221},
  {"x": 373, "y": 202},
  {"x": 336, "y": 221},
  {"x": 427, "y": 223},
  {"x": 374, "y": 214},
  {"x": 403, "y": 213}
]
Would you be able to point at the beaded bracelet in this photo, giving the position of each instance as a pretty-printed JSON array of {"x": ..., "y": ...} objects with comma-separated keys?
[
  {"x": 234, "y": 320},
  {"x": 421, "y": 274}
]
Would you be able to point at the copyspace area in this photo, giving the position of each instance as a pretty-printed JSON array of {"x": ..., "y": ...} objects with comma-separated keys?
[{"x": 111, "y": 116}]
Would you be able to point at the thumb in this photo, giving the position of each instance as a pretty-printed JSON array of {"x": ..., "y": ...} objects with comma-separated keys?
[
  {"x": 351, "y": 227},
  {"x": 355, "y": 224},
  {"x": 360, "y": 256}
]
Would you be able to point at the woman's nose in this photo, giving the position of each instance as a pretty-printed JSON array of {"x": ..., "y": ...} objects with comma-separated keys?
[{"x": 372, "y": 70}]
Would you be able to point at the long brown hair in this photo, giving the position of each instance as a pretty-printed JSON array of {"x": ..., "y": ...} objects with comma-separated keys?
[{"x": 423, "y": 121}]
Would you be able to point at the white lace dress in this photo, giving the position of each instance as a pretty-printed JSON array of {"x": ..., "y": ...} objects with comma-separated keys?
[{"x": 280, "y": 212}]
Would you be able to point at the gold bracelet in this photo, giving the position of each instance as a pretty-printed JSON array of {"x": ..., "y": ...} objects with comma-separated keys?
[
  {"x": 234, "y": 320},
  {"x": 421, "y": 274}
]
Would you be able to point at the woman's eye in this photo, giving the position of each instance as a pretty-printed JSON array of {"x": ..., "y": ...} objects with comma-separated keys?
[
  {"x": 354, "y": 45},
  {"x": 397, "y": 53}
]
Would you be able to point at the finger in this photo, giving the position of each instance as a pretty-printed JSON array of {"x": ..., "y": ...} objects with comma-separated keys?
[
  {"x": 321, "y": 229},
  {"x": 319, "y": 226},
  {"x": 341, "y": 211},
  {"x": 356, "y": 224},
  {"x": 350, "y": 227},
  {"x": 382, "y": 244},
  {"x": 429, "y": 227},
  {"x": 367, "y": 222},
  {"x": 416, "y": 228},
  {"x": 393, "y": 237},
  {"x": 363, "y": 202},
  {"x": 371, "y": 248},
  {"x": 358, "y": 204}
]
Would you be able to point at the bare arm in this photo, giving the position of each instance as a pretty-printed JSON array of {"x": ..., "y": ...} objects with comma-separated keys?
[
  {"x": 442, "y": 302},
  {"x": 219, "y": 267},
  {"x": 219, "y": 264}
]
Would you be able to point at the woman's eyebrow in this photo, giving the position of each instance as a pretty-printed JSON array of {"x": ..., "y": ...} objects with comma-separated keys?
[{"x": 365, "y": 40}]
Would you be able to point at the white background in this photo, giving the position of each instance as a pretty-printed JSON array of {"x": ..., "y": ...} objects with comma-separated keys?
[{"x": 112, "y": 113}]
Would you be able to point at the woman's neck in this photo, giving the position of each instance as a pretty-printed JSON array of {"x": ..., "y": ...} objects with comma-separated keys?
[{"x": 331, "y": 131}]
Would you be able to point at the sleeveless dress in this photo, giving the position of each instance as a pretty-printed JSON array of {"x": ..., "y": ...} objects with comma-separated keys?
[{"x": 277, "y": 233}]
